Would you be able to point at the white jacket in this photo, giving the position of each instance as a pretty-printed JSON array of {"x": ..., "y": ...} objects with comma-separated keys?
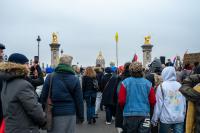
[{"x": 170, "y": 105}]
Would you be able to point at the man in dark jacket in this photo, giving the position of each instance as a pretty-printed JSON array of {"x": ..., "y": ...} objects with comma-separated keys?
[
  {"x": 2, "y": 47},
  {"x": 21, "y": 110},
  {"x": 66, "y": 96},
  {"x": 109, "y": 84},
  {"x": 191, "y": 90},
  {"x": 154, "y": 76},
  {"x": 119, "y": 112}
]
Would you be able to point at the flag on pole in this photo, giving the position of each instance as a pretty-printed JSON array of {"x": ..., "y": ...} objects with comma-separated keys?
[
  {"x": 116, "y": 37},
  {"x": 135, "y": 58},
  {"x": 174, "y": 60}
]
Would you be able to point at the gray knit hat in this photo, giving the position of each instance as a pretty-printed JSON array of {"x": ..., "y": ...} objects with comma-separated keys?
[{"x": 155, "y": 66}]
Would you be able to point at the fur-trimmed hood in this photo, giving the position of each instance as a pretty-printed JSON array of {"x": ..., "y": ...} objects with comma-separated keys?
[
  {"x": 98, "y": 69},
  {"x": 9, "y": 70}
]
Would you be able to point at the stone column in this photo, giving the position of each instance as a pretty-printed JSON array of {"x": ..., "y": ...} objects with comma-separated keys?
[
  {"x": 146, "y": 48},
  {"x": 54, "y": 54}
]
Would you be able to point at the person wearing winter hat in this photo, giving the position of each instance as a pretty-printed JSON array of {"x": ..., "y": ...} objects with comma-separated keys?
[
  {"x": 191, "y": 90},
  {"x": 119, "y": 113},
  {"x": 154, "y": 76},
  {"x": 19, "y": 98},
  {"x": 109, "y": 82},
  {"x": 135, "y": 97},
  {"x": 2, "y": 47}
]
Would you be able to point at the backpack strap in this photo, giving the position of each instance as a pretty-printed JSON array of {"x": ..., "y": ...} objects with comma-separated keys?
[
  {"x": 66, "y": 86},
  {"x": 161, "y": 88},
  {"x": 49, "y": 101}
]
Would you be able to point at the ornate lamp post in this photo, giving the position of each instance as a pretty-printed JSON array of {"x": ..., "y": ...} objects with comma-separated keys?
[{"x": 38, "y": 40}]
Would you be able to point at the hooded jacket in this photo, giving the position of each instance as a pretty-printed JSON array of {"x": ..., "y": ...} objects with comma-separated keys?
[
  {"x": 170, "y": 107},
  {"x": 21, "y": 110},
  {"x": 191, "y": 90}
]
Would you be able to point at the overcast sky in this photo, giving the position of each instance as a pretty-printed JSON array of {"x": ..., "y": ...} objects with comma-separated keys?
[{"x": 87, "y": 26}]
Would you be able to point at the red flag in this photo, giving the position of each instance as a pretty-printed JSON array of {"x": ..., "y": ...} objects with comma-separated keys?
[
  {"x": 135, "y": 58},
  {"x": 2, "y": 127}
]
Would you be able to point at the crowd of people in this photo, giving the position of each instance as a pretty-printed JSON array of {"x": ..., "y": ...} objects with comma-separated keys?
[{"x": 160, "y": 98}]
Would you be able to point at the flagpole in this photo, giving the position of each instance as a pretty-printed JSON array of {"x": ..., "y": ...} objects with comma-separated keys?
[
  {"x": 116, "y": 40},
  {"x": 117, "y": 53}
]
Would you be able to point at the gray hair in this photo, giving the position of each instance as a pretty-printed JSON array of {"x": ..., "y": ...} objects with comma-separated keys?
[{"x": 66, "y": 59}]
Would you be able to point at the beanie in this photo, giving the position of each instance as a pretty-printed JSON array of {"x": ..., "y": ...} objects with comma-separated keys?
[
  {"x": 155, "y": 66},
  {"x": 108, "y": 70},
  {"x": 2, "y": 46},
  {"x": 18, "y": 58},
  {"x": 113, "y": 69},
  {"x": 136, "y": 67}
]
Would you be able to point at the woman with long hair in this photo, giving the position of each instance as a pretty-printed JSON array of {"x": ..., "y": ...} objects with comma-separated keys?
[{"x": 90, "y": 86}]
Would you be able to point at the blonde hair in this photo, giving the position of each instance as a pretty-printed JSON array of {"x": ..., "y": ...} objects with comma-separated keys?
[{"x": 89, "y": 71}]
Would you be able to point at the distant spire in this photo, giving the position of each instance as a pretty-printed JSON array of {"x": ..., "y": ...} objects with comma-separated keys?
[
  {"x": 100, "y": 56},
  {"x": 100, "y": 53}
]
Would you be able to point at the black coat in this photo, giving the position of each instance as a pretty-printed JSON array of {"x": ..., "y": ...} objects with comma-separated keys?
[
  {"x": 105, "y": 79},
  {"x": 99, "y": 79},
  {"x": 87, "y": 84},
  {"x": 109, "y": 91},
  {"x": 36, "y": 81},
  {"x": 119, "y": 111}
]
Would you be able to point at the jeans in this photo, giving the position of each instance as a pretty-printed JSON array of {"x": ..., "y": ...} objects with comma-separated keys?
[
  {"x": 177, "y": 128},
  {"x": 90, "y": 98},
  {"x": 137, "y": 124},
  {"x": 98, "y": 102}
]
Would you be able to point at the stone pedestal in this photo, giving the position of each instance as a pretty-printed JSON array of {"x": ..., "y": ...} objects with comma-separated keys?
[
  {"x": 146, "y": 48},
  {"x": 54, "y": 54}
]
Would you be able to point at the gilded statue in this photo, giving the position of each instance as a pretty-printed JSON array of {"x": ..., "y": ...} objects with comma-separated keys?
[
  {"x": 54, "y": 38},
  {"x": 147, "y": 39}
]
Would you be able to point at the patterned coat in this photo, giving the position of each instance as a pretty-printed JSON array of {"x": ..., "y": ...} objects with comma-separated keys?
[{"x": 191, "y": 90}]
